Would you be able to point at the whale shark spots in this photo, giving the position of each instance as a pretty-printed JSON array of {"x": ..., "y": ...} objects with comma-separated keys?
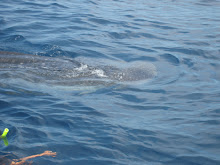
[{"x": 68, "y": 71}]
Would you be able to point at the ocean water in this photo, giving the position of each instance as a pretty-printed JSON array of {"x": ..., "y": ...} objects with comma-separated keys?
[{"x": 170, "y": 119}]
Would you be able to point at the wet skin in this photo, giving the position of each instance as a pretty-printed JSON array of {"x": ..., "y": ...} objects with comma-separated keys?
[{"x": 67, "y": 71}]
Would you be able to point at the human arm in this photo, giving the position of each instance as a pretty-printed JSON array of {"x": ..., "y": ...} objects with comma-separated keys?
[{"x": 22, "y": 160}]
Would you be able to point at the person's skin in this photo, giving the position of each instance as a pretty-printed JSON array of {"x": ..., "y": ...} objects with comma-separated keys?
[{"x": 22, "y": 160}]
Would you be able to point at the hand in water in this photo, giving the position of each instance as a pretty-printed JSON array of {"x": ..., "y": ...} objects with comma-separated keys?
[{"x": 49, "y": 153}]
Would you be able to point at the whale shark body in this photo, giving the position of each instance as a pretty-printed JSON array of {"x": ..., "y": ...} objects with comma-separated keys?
[{"x": 70, "y": 72}]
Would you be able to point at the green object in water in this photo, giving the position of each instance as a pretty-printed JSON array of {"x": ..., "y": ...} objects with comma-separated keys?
[
  {"x": 5, "y": 141},
  {"x": 5, "y": 132}
]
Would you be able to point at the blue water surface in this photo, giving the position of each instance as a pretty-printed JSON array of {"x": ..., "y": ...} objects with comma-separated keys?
[{"x": 171, "y": 119}]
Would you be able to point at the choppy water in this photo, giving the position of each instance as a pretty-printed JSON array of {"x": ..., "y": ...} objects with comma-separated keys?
[{"x": 172, "y": 119}]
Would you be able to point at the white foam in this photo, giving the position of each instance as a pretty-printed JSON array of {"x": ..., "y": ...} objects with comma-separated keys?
[
  {"x": 82, "y": 67},
  {"x": 99, "y": 73}
]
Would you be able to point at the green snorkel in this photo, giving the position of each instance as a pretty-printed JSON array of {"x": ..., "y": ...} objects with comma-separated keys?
[
  {"x": 5, "y": 133},
  {"x": 3, "y": 136}
]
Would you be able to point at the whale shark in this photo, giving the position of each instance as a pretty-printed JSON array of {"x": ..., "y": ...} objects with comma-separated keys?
[{"x": 70, "y": 72}]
